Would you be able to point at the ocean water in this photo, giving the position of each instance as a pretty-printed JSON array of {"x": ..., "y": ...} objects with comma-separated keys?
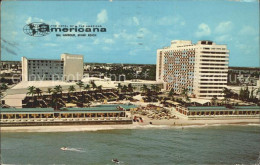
[{"x": 191, "y": 145}]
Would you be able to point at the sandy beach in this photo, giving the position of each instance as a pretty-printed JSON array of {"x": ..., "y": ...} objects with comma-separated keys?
[{"x": 156, "y": 124}]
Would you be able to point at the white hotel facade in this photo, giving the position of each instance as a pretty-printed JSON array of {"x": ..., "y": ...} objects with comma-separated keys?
[
  {"x": 68, "y": 68},
  {"x": 201, "y": 68}
]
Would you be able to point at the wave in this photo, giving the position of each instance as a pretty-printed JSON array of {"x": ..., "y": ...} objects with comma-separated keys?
[
  {"x": 75, "y": 149},
  {"x": 115, "y": 127}
]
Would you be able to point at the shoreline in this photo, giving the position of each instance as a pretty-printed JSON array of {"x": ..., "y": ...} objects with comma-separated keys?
[{"x": 157, "y": 124}]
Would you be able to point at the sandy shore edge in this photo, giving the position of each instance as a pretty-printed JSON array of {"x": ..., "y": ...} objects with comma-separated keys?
[{"x": 157, "y": 124}]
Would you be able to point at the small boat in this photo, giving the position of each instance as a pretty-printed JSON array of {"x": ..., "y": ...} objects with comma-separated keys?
[
  {"x": 115, "y": 160},
  {"x": 64, "y": 148}
]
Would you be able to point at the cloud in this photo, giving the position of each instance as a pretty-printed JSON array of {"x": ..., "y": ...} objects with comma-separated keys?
[
  {"x": 244, "y": 48},
  {"x": 203, "y": 30},
  {"x": 81, "y": 23},
  {"x": 105, "y": 48},
  {"x": 102, "y": 17},
  {"x": 171, "y": 20},
  {"x": 136, "y": 21},
  {"x": 248, "y": 30},
  {"x": 125, "y": 35},
  {"x": 248, "y": 0},
  {"x": 224, "y": 27},
  {"x": 29, "y": 20},
  {"x": 50, "y": 44},
  {"x": 109, "y": 41},
  {"x": 223, "y": 38}
]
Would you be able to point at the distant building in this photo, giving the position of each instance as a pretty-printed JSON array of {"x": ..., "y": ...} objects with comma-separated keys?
[
  {"x": 138, "y": 84},
  {"x": 200, "y": 68},
  {"x": 69, "y": 68},
  {"x": 73, "y": 67}
]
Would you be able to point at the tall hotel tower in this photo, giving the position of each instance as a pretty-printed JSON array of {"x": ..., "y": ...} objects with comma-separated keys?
[{"x": 200, "y": 68}]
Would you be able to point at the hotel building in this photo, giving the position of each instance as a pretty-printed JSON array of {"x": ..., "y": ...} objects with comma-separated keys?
[
  {"x": 200, "y": 68},
  {"x": 69, "y": 68}
]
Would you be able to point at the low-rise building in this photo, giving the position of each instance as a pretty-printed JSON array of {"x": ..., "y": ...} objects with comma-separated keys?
[
  {"x": 139, "y": 84},
  {"x": 69, "y": 68},
  {"x": 219, "y": 112}
]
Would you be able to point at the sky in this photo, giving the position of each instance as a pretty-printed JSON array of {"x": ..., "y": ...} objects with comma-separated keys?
[{"x": 135, "y": 29}]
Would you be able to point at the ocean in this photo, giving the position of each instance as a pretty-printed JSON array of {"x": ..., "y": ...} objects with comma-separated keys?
[{"x": 229, "y": 144}]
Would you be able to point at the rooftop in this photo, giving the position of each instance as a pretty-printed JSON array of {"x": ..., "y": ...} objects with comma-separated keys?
[{"x": 219, "y": 108}]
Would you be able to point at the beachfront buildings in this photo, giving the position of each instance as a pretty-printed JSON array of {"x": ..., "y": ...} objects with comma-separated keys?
[
  {"x": 219, "y": 112},
  {"x": 103, "y": 114},
  {"x": 68, "y": 68},
  {"x": 200, "y": 68}
]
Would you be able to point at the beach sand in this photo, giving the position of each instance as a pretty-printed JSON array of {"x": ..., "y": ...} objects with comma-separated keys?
[{"x": 172, "y": 123}]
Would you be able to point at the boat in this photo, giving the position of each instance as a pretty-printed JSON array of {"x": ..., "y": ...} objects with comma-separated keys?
[
  {"x": 64, "y": 148},
  {"x": 115, "y": 160}
]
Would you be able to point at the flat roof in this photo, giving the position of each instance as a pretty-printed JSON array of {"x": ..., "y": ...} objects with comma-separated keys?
[
  {"x": 219, "y": 108},
  {"x": 89, "y": 111},
  {"x": 38, "y": 110},
  {"x": 112, "y": 108},
  {"x": 44, "y": 59}
]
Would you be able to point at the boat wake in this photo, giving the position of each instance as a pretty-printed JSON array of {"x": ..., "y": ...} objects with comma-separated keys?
[{"x": 74, "y": 149}]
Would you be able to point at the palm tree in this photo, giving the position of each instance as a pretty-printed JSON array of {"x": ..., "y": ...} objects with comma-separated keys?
[
  {"x": 252, "y": 93},
  {"x": 80, "y": 84},
  {"x": 31, "y": 90},
  {"x": 171, "y": 93},
  {"x": 87, "y": 87},
  {"x": 93, "y": 84},
  {"x": 119, "y": 86},
  {"x": 258, "y": 92},
  {"x": 124, "y": 88},
  {"x": 71, "y": 88},
  {"x": 1, "y": 94},
  {"x": 49, "y": 90},
  {"x": 228, "y": 93},
  {"x": 54, "y": 101},
  {"x": 99, "y": 88},
  {"x": 4, "y": 87},
  {"x": 144, "y": 88},
  {"x": 184, "y": 92},
  {"x": 214, "y": 100},
  {"x": 155, "y": 88},
  {"x": 58, "y": 89},
  {"x": 38, "y": 91},
  {"x": 130, "y": 88}
]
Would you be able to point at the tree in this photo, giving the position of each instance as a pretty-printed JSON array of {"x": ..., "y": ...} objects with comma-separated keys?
[
  {"x": 93, "y": 84},
  {"x": 171, "y": 93},
  {"x": 31, "y": 90},
  {"x": 124, "y": 88},
  {"x": 184, "y": 92},
  {"x": 252, "y": 97},
  {"x": 58, "y": 89},
  {"x": 38, "y": 91},
  {"x": 80, "y": 84},
  {"x": 1, "y": 94},
  {"x": 130, "y": 88},
  {"x": 87, "y": 87},
  {"x": 54, "y": 101},
  {"x": 119, "y": 86},
  {"x": 214, "y": 100},
  {"x": 71, "y": 88},
  {"x": 144, "y": 88},
  {"x": 228, "y": 93},
  {"x": 244, "y": 94},
  {"x": 99, "y": 88},
  {"x": 155, "y": 88},
  {"x": 4, "y": 87},
  {"x": 49, "y": 90}
]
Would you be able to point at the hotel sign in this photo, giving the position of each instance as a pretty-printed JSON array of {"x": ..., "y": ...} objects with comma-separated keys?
[{"x": 40, "y": 29}]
